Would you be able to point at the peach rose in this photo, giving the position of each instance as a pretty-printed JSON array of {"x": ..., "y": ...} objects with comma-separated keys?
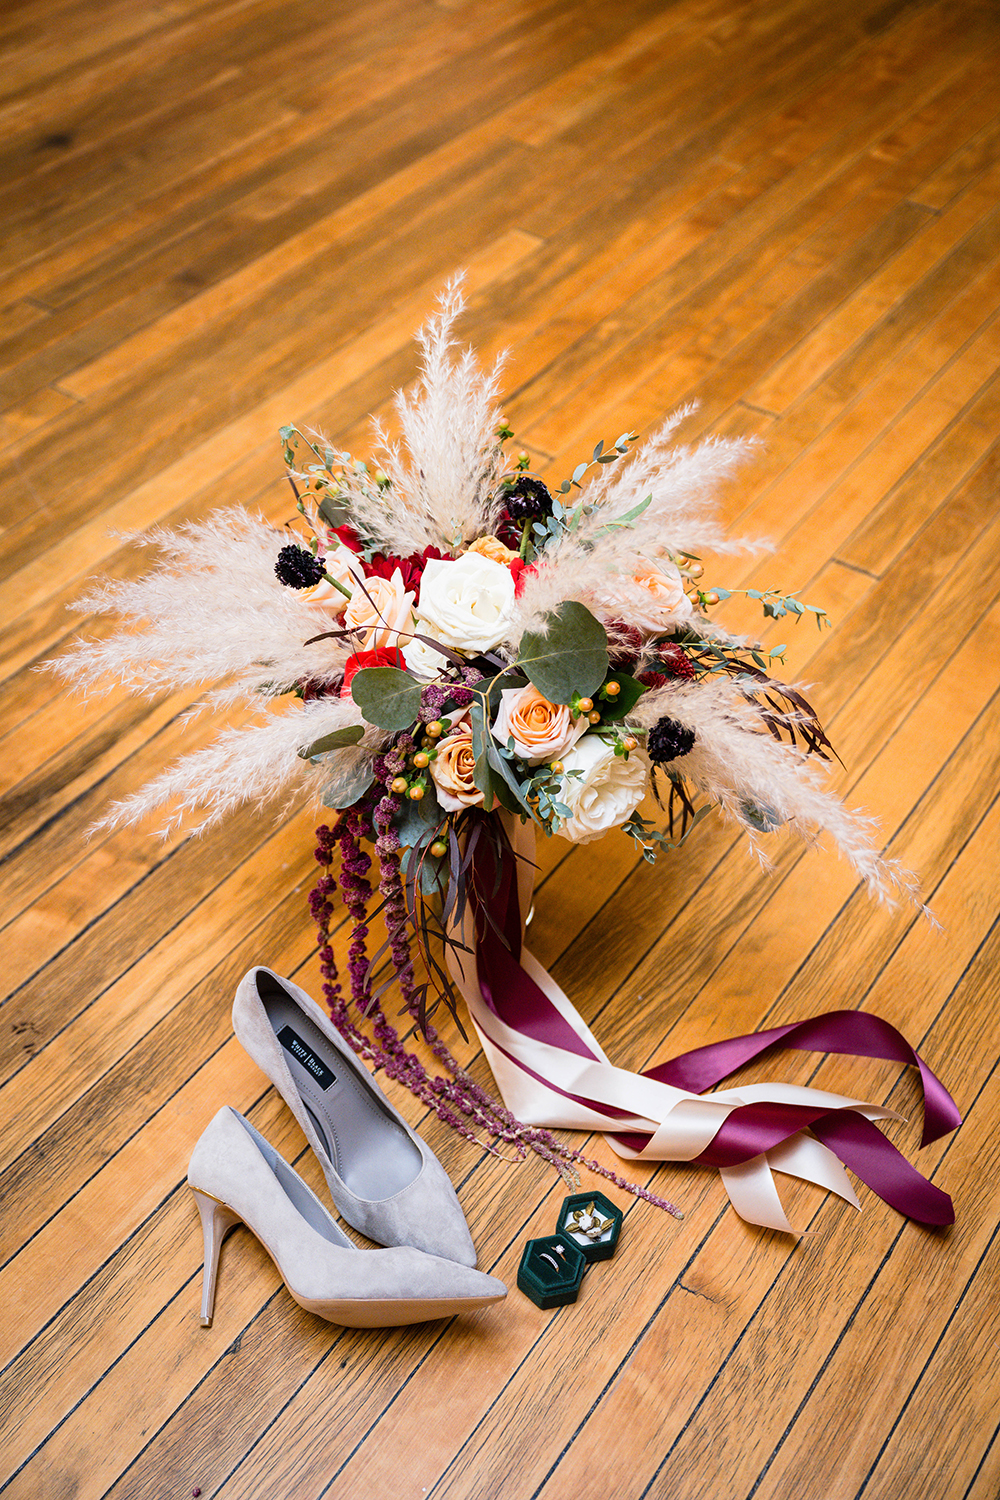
[
  {"x": 382, "y": 609},
  {"x": 452, "y": 768},
  {"x": 493, "y": 548},
  {"x": 653, "y": 599},
  {"x": 541, "y": 730},
  {"x": 344, "y": 565}
]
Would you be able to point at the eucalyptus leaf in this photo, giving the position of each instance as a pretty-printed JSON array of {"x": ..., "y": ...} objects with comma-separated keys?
[
  {"x": 415, "y": 820},
  {"x": 500, "y": 764},
  {"x": 387, "y": 696},
  {"x": 351, "y": 779},
  {"x": 337, "y": 740},
  {"x": 569, "y": 656},
  {"x": 482, "y": 776}
]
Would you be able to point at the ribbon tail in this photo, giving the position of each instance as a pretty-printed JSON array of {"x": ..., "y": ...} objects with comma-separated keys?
[
  {"x": 753, "y": 1194},
  {"x": 804, "y": 1156},
  {"x": 873, "y": 1158}
]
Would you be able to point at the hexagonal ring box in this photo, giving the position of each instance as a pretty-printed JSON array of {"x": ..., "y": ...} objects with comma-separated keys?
[
  {"x": 551, "y": 1270},
  {"x": 591, "y": 1222}
]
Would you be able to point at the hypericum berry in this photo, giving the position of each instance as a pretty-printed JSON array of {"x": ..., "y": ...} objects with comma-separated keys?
[
  {"x": 630, "y": 742},
  {"x": 416, "y": 793},
  {"x": 585, "y": 705},
  {"x": 439, "y": 848},
  {"x": 668, "y": 740},
  {"x": 297, "y": 567},
  {"x": 612, "y": 689},
  {"x": 594, "y": 717},
  {"x": 557, "y": 768},
  {"x": 527, "y": 498},
  {"x": 421, "y": 760},
  {"x": 399, "y": 785},
  {"x": 434, "y": 729}
]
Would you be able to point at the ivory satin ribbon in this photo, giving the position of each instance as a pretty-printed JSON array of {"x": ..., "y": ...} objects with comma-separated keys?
[{"x": 552, "y": 1071}]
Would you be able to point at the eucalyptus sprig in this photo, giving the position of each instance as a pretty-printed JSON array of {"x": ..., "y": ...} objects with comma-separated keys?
[{"x": 774, "y": 603}]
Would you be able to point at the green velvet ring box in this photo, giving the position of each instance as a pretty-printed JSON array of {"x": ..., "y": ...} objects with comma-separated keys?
[
  {"x": 592, "y": 1223},
  {"x": 551, "y": 1270}
]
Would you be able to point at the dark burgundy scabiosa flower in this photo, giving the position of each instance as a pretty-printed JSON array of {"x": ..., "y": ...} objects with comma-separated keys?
[
  {"x": 668, "y": 740},
  {"x": 524, "y": 500},
  {"x": 297, "y": 567},
  {"x": 527, "y": 498}
]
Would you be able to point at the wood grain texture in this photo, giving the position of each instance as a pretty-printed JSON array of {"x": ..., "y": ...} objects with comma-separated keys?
[{"x": 222, "y": 215}]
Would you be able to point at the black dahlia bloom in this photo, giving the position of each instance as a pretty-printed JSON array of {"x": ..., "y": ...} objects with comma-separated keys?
[
  {"x": 668, "y": 741},
  {"x": 297, "y": 567},
  {"x": 527, "y": 498}
]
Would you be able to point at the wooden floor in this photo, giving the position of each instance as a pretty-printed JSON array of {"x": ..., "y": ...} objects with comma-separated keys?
[{"x": 221, "y": 215}]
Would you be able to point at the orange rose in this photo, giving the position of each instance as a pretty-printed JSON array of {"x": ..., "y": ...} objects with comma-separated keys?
[
  {"x": 541, "y": 730},
  {"x": 653, "y": 599},
  {"x": 344, "y": 565},
  {"x": 452, "y": 769},
  {"x": 493, "y": 548},
  {"x": 381, "y": 608}
]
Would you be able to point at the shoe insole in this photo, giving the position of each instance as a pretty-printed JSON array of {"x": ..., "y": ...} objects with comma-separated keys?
[{"x": 370, "y": 1152}]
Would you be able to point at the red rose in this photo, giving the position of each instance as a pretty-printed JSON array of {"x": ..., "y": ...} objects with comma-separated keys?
[
  {"x": 348, "y": 536},
  {"x": 383, "y": 657}
]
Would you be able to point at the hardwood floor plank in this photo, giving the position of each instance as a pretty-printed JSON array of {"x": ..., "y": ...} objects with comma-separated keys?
[{"x": 223, "y": 215}]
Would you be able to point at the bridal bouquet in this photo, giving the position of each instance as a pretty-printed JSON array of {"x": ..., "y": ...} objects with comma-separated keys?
[{"x": 456, "y": 651}]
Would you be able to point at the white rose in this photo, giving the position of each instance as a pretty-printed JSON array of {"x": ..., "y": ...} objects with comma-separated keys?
[
  {"x": 422, "y": 660},
  {"x": 604, "y": 795},
  {"x": 467, "y": 601}
]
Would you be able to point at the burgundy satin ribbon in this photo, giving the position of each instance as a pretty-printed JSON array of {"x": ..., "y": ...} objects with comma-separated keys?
[{"x": 749, "y": 1129}]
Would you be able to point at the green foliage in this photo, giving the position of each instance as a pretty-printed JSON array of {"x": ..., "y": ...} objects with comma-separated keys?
[
  {"x": 418, "y": 822},
  {"x": 334, "y": 741},
  {"x": 348, "y": 783},
  {"x": 648, "y": 838},
  {"x": 569, "y": 656},
  {"x": 632, "y": 690},
  {"x": 776, "y": 605},
  {"x": 387, "y": 696}
]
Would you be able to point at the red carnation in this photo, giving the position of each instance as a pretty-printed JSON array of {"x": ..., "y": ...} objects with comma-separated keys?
[
  {"x": 385, "y": 656},
  {"x": 383, "y": 565}
]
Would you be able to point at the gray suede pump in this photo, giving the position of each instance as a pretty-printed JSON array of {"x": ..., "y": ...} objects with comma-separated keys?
[
  {"x": 382, "y": 1177},
  {"x": 237, "y": 1176}
]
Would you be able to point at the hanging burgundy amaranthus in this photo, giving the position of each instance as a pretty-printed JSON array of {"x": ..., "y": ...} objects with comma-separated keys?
[{"x": 455, "y": 1097}]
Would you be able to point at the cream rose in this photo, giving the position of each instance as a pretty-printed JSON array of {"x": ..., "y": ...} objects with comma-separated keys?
[
  {"x": 541, "y": 730},
  {"x": 653, "y": 599},
  {"x": 343, "y": 565},
  {"x": 604, "y": 795},
  {"x": 382, "y": 609},
  {"x": 422, "y": 660},
  {"x": 452, "y": 768},
  {"x": 467, "y": 601}
]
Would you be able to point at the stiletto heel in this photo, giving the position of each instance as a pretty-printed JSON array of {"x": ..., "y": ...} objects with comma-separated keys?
[
  {"x": 237, "y": 1176},
  {"x": 216, "y": 1221}
]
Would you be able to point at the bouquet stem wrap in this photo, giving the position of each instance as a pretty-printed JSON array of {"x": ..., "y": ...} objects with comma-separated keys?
[{"x": 552, "y": 1071}]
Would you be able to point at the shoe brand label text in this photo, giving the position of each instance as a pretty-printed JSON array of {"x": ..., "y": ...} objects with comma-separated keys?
[{"x": 303, "y": 1054}]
